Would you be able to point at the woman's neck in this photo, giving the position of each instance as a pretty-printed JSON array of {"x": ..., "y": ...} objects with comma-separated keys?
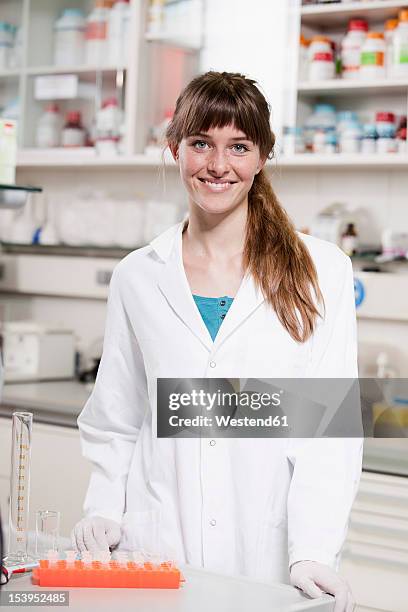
[{"x": 216, "y": 235}]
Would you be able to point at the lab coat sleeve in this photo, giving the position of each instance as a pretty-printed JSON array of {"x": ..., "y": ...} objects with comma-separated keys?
[
  {"x": 112, "y": 418},
  {"x": 326, "y": 471}
]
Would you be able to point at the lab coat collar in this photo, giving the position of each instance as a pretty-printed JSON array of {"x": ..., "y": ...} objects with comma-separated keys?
[{"x": 174, "y": 285}]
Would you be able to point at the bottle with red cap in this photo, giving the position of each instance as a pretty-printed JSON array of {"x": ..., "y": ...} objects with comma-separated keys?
[
  {"x": 109, "y": 123},
  {"x": 48, "y": 132},
  {"x": 351, "y": 47},
  {"x": 73, "y": 133}
]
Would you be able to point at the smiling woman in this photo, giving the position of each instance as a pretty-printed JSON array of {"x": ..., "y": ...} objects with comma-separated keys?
[
  {"x": 234, "y": 292},
  {"x": 221, "y": 137}
]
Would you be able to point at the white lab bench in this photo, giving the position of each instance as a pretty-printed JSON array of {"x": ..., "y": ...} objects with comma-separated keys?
[
  {"x": 201, "y": 592},
  {"x": 375, "y": 557}
]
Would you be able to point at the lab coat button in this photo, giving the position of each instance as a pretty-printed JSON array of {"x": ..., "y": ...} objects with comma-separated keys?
[
  {"x": 213, "y": 522},
  {"x": 212, "y": 364},
  {"x": 212, "y": 442},
  {"x": 222, "y": 303}
]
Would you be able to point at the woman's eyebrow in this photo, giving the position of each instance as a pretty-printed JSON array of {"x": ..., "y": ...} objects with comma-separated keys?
[{"x": 205, "y": 135}]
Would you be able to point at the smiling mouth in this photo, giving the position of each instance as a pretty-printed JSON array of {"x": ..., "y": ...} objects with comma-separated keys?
[{"x": 217, "y": 186}]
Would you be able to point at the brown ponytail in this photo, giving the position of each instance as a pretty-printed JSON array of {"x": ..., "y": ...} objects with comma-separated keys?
[
  {"x": 279, "y": 261},
  {"x": 274, "y": 254}
]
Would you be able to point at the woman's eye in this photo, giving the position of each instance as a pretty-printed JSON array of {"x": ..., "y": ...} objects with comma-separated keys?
[
  {"x": 240, "y": 148},
  {"x": 199, "y": 144}
]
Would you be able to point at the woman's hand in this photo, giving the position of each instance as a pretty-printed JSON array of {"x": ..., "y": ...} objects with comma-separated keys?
[
  {"x": 95, "y": 533},
  {"x": 315, "y": 579}
]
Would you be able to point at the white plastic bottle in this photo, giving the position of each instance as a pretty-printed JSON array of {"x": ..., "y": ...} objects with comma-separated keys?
[
  {"x": 389, "y": 30},
  {"x": 400, "y": 46},
  {"x": 118, "y": 33},
  {"x": 373, "y": 57},
  {"x": 155, "y": 17},
  {"x": 48, "y": 133},
  {"x": 69, "y": 32},
  {"x": 96, "y": 34},
  {"x": 351, "y": 48}
]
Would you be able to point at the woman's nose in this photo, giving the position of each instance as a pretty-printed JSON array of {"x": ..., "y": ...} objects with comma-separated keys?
[{"x": 218, "y": 162}]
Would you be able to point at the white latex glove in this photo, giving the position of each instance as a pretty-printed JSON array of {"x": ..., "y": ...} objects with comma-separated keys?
[
  {"x": 95, "y": 533},
  {"x": 314, "y": 579}
]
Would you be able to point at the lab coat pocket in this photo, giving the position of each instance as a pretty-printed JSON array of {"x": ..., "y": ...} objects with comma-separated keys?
[
  {"x": 141, "y": 531},
  {"x": 273, "y": 559}
]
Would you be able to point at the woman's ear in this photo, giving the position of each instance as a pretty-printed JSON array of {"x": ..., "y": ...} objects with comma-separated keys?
[
  {"x": 174, "y": 151},
  {"x": 261, "y": 164}
]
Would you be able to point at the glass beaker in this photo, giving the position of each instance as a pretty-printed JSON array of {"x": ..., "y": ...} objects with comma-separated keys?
[
  {"x": 22, "y": 423},
  {"x": 47, "y": 525}
]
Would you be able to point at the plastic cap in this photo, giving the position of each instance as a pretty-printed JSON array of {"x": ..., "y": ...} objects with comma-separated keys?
[
  {"x": 73, "y": 117},
  {"x": 403, "y": 133},
  {"x": 52, "y": 108},
  {"x": 403, "y": 15},
  {"x": 320, "y": 38},
  {"x": 391, "y": 24},
  {"x": 386, "y": 117},
  {"x": 377, "y": 35},
  {"x": 110, "y": 102},
  {"x": 358, "y": 24},
  {"x": 323, "y": 57}
]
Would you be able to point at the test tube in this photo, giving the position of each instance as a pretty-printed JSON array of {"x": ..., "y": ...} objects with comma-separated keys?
[
  {"x": 70, "y": 556},
  {"x": 22, "y": 423},
  {"x": 47, "y": 524}
]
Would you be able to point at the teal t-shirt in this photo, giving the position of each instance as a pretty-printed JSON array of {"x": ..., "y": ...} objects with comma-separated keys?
[{"x": 213, "y": 311}]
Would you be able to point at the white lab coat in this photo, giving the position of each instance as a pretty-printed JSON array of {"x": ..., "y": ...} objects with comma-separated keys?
[{"x": 238, "y": 506}]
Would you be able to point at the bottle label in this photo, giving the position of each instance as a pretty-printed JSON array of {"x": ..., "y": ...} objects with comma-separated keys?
[
  {"x": 96, "y": 30},
  {"x": 372, "y": 58}
]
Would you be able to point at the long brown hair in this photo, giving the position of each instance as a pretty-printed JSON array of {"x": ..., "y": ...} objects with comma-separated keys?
[{"x": 274, "y": 254}]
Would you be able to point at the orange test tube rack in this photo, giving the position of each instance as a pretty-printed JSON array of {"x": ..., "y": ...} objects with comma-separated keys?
[{"x": 111, "y": 575}]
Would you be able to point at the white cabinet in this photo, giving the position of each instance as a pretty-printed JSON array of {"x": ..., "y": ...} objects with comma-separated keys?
[
  {"x": 362, "y": 97},
  {"x": 145, "y": 84},
  {"x": 59, "y": 473},
  {"x": 375, "y": 557}
]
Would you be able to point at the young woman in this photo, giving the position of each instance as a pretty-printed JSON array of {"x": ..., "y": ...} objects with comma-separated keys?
[{"x": 234, "y": 291}]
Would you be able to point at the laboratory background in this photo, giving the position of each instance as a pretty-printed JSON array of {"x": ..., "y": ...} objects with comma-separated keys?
[{"x": 87, "y": 88}]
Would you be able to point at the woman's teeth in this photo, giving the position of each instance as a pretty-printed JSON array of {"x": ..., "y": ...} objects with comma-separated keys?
[{"x": 218, "y": 186}]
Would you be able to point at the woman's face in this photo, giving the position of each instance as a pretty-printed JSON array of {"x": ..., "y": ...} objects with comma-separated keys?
[{"x": 218, "y": 168}]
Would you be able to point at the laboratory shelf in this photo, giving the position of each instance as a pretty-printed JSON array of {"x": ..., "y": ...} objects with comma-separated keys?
[
  {"x": 173, "y": 42},
  {"x": 330, "y": 15},
  {"x": 83, "y": 69},
  {"x": 342, "y": 160},
  {"x": 86, "y": 157},
  {"x": 344, "y": 87}
]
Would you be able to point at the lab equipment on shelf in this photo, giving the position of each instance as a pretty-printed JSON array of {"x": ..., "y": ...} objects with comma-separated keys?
[
  {"x": 49, "y": 127},
  {"x": 399, "y": 64},
  {"x": 118, "y": 33},
  {"x": 128, "y": 570},
  {"x": 22, "y": 423},
  {"x": 351, "y": 47},
  {"x": 8, "y": 151},
  {"x": 362, "y": 54},
  {"x": 96, "y": 34},
  {"x": 7, "y": 33},
  {"x": 372, "y": 63},
  {"x": 73, "y": 132},
  {"x": 326, "y": 131},
  {"x": 349, "y": 240},
  {"x": 69, "y": 38},
  {"x": 109, "y": 127}
]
